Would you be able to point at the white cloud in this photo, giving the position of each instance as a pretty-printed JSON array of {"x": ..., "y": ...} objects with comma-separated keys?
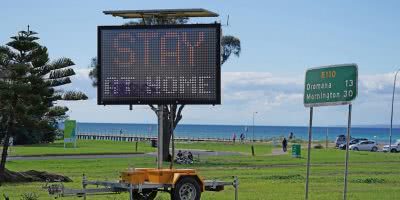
[
  {"x": 82, "y": 73},
  {"x": 260, "y": 80},
  {"x": 377, "y": 83},
  {"x": 260, "y": 88}
]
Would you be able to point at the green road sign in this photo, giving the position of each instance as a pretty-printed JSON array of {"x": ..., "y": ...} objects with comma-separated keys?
[
  {"x": 69, "y": 128},
  {"x": 331, "y": 85}
]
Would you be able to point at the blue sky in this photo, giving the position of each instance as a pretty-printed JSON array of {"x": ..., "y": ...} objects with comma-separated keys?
[{"x": 280, "y": 40}]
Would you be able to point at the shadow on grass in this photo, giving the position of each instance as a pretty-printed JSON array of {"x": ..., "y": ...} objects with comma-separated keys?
[{"x": 55, "y": 145}]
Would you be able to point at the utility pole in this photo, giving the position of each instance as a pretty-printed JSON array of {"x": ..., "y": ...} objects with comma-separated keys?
[
  {"x": 252, "y": 145},
  {"x": 391, "y": 116}
]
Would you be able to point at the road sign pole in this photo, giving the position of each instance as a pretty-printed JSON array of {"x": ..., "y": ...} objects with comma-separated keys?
[
  {"x": 172, "y": 117},
  {"x": 252, "y": 144},
  {"x": 326, "y": 139},
  {"x": 309, "y": 150},
  {"x": 347, "y": 154}
]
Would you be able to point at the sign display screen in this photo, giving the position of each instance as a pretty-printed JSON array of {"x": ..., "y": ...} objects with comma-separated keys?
[
  {"x": 161, "y": 64},
  {"x": 331, "y": 85}
]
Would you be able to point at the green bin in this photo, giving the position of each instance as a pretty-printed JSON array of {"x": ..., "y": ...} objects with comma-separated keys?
[{"x": 296, "y": 150}]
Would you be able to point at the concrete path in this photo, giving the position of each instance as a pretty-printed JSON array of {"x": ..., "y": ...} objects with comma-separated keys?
[
  {"x": 278, "y": 152},
  {"x": 152, "y": 154}
]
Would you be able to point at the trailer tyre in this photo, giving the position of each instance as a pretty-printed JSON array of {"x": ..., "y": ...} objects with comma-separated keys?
[
  {"x": 393, "y": 151},
  {"x": 186, "y": 189},
  {"x": 145, "y": 195}
]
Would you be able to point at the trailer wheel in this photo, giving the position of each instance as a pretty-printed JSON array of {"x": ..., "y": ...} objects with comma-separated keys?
[
  {"x": 393, "y": 150},
  {"x": 145, "y": 195},
  {"x": 186, "y": 189}
]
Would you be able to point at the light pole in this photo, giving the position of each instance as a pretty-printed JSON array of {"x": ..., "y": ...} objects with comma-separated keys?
[
  {"x": 391, "y": 116},
  {"x": 252, "y": 144},
  {"x": 254, "y": 113}
]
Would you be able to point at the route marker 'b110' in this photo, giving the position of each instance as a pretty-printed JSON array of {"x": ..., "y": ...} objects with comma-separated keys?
[{"x": 331, "y": 85}]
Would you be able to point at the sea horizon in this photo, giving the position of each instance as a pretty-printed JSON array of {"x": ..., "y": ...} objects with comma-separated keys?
[
  {"x": 395, "y": 126},
  {"x": 378, "y": 133}
]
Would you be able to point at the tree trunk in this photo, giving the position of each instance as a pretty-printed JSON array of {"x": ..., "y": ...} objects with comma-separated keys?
[
  {"x": 176, "y": 116},
  {"x": 4, "y": 154},
  {"x": 166, "y": 139},
  {"x": 6, "y": 143}
]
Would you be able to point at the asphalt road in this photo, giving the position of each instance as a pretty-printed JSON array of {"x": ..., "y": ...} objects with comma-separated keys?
[{"x": 153, "y": 154}]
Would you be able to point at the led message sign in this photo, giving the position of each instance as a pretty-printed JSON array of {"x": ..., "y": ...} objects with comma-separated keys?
[{"x": 162, "y": 64}]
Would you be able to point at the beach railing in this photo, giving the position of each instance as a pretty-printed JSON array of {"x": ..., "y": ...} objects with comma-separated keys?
[{"x": 146, "y": 137}]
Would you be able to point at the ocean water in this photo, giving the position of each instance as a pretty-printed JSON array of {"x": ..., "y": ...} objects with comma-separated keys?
[{"x": 227, "y": 131}]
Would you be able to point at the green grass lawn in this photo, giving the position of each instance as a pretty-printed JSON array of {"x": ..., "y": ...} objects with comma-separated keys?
[
  {"x": 371, "y": 176},
  {"x": 83, "y": 147},
  {"x": 260, "y": 148},
  {"x": 109, "y": 147}
]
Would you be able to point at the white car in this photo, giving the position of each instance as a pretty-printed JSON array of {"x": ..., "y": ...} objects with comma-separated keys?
[
  {"x": 393, "y": 148},
  {"x": 364, "y": 146}
]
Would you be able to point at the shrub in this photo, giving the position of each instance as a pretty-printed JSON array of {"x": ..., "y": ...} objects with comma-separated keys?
[
  {"x": 29, "y": 196},
  {"x": 293, "y": 177},
  {"x": 318, "y": 146},
  {"x": 369, "y": 180}
]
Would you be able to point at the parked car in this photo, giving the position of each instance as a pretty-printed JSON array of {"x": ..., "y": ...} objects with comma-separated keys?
[
  {"x": 340, "y": 139},
  {"x": 393, "y": 148},
  {"x": 364, "y": 146},
  {"x": 353, "y": 141}
]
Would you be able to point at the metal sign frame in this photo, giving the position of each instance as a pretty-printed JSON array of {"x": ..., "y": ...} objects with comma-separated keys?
[
  {"x": 336, "y": 103},
  {"x": 215, "y": 101}
]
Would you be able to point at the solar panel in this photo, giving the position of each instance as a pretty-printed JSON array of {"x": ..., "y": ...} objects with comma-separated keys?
[{"x": 193, "y": 12}]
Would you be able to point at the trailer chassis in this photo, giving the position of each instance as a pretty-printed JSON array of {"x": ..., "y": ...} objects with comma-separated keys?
[{"x": 114, "y": 187}]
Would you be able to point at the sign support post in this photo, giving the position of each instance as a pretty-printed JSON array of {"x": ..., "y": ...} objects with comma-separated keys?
[
  {"x": 172, "y": 117},
  {"x": 326, "y": 138},
  {"x": 309, "y": 150},
  {"x": 347, "y": 154},
  {"x": 161, "y": 116}
]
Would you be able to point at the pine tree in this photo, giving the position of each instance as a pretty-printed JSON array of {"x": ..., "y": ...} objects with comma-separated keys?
[{"x": 28, "y": 91}]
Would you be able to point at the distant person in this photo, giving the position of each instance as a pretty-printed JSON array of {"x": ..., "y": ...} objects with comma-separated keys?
[
  {"x": 180, "y": 154},
  {"x": 190, "y": 156},
  {"x": 241, "y": 137},
  {"x": 169, "y": 158},
  {"x": 284, "y": 145},
  {"x": 120, "y": 132},
  {"x": 234, "y": 137},
  {"x": 291, "y": 135}
]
